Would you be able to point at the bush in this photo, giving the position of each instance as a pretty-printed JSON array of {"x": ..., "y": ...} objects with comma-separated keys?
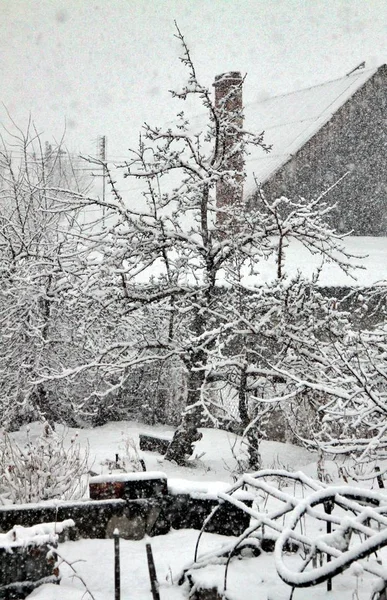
[{"x": 43, "y": 469}]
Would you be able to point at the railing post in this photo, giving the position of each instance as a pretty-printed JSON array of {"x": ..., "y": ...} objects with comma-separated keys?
[
  {"x": 117, "y": 574},
  {"x": 379, "y": 478},
  {"x": 328, "y": 506}
]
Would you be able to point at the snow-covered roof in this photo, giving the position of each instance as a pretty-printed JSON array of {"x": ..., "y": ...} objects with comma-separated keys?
[
  {"x": 290, "y": 120},
  {"x": 367, "y": 256},
  {"x": 369, "y": 259}
]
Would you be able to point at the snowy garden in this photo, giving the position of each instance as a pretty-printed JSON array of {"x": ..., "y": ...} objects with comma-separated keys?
[
  {"x": 311, "y": 527},
  {"x": 190, "y": 380}
]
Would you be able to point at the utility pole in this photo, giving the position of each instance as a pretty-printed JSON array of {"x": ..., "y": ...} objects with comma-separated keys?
[
  {"x": 102, "y": 155},
  {"x": 102, "y": 143}
]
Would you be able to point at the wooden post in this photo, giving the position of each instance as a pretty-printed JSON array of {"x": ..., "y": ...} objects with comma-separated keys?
[
  {"x": 117, "y": 575},
  {"x": 328, "y": 506},
  {"x": 152, "y": 573}
]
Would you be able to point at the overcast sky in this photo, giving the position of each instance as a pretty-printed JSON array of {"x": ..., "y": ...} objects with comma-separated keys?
[{"x": 106, "y": 67}]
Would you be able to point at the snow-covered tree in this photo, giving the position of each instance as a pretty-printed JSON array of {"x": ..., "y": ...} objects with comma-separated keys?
[
  {"x": 38, "y": 260},
  {"x": 178, "y": 271},
  {"x": 353, "y": 406},
  {"x": 331, "y": 374}
]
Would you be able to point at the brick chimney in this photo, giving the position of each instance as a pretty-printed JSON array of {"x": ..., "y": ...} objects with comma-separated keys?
[{"x": 229, "y": 104}]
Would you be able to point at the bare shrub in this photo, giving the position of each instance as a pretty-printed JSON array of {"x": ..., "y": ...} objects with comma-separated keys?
[{"x": 43, "y": 469}]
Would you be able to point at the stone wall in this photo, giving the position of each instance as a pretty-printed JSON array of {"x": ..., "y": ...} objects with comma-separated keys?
[
  {"x": 93, "y": 519},
  {"x": 135, "y": 518}
]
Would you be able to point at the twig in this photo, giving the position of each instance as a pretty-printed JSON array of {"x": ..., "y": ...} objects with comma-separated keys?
[{"x": 76, "y": 574}]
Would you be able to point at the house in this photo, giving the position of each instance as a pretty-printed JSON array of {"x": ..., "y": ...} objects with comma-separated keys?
[
  {"x": 327, "y": 140},
  {"x": 330, "y": 138}
]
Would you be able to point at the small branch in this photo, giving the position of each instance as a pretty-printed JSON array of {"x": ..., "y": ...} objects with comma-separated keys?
[{"x": 75, "y": 572}]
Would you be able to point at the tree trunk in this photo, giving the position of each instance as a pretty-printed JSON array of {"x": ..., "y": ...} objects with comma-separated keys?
[
  {"x": 255, "y": 459},
  {"x": 43, "y": 405},
  {"x": 187, "y": 433},
  {"x": 252, "y": 436},
  {"x": 181, "y": 446},
  {"x": 242, "y": 399}
]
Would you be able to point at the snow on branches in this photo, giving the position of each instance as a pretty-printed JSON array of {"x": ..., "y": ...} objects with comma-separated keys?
[
  {"x": 43, "y": 469},
  {"x": 172, "y": 274},
  {"x": 38, "y": 259}
]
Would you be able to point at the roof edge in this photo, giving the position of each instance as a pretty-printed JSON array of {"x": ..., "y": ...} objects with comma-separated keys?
[{"x": 353, "y": 75}]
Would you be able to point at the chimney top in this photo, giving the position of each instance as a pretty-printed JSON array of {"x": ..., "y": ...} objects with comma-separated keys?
[{"x": 231, "y": 75}]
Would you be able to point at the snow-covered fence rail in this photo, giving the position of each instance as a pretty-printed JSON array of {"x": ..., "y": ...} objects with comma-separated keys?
[{"x": 355, "y": 527}]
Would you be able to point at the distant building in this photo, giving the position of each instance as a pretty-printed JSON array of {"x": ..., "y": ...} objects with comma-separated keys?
[{"x": 334, "y": 134}]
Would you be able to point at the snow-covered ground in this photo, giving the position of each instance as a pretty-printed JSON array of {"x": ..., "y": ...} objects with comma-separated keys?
[
  {"x": 212, "y": 460},
  {"x": 253, "y": 578}
]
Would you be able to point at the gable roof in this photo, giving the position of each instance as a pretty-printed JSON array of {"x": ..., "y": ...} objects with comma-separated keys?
[{"x": 291, "y": 120}]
